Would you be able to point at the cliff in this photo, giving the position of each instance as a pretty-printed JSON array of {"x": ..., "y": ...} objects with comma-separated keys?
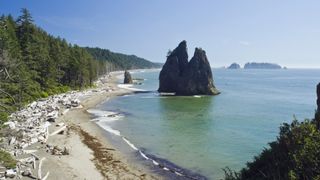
[{"x": 187, "y": 78}]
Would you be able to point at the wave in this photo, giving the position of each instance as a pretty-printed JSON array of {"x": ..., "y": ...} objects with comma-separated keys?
[
  {"x": 106, "y": 116},
  {"x": 110, "y": 130},
  {"x": 130, "y": 87},
  {"x": 102, "y": 119}
]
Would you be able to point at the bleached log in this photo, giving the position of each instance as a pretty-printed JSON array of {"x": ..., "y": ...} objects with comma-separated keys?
[
  {"x": 39, "y": 169},
  {"x": 46, "y": 176},
  {"x": 34, "y": 163},
  {"x": 65, "y": 111},
  {"x": 60, "y": 124},
  {"x": 29, "y": 151},
  {"x": 10, "y": 124},
  {"x": 35, "y": 156},
  {"x": 57, "y": 131},
  {"x": 24, "y": 160},
  {"x": 46, "y": 135},
  {"x": 12, "y": 140}
]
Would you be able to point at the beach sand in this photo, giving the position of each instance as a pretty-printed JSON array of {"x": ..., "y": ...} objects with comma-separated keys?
[{"x": 91, "y": 156}]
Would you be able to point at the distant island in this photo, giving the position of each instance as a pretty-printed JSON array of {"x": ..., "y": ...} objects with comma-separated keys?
[
  {"x": 255, "y": 65},
  {"x": 234, "y": 66}
]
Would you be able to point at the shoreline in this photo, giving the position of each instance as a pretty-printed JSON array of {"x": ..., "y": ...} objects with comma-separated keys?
[
  {"x": 109, "y": 162},
  {"x": 138, "y": 156},
  {"x": 72, "y": 146},
  {"x": 93, "y": 152}
]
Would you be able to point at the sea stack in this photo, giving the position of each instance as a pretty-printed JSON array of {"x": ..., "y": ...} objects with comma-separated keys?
[
  {"x": 127, "y": 78},
  {"x": 318, "y": 97},
  {"x": 180, "y": 77},
  {"x": 317, "y": 114}
]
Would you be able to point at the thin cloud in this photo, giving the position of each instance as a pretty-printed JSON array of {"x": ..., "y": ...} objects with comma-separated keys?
[{"x": 245, "y": 43}]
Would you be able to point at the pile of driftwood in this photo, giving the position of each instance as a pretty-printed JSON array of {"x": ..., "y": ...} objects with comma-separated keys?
[{"x": 31, "y": 125}]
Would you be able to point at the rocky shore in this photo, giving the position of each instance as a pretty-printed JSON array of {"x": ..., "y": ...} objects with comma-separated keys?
[{"x": 53, "y": 138}]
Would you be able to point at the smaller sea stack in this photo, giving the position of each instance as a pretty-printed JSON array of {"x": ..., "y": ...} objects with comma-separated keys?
[{"x": 127, "y": 78}]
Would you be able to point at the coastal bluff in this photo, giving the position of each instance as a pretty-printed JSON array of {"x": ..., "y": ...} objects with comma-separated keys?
[{"x": 180, "y": 77}]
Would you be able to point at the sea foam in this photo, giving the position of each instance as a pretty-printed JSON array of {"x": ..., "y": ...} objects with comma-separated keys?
[{"x": 130, "y": 87}]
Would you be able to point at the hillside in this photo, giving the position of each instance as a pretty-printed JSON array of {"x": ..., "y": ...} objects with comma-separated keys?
[
  {"x": 35, "y": 64},
  {"x": 118, "y": 61}
]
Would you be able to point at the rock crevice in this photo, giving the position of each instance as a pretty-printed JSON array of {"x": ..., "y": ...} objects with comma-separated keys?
[{"x": 187, "y": 78}]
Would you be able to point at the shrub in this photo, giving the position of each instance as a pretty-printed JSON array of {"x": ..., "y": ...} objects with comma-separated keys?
[
  {"x": 6, "y": 160},
  {"x": 294, "y": 155}
]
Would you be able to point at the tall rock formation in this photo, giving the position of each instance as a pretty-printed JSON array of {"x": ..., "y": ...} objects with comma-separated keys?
[
  {"x": 318, "y": 97},
  {"x": 317, "y": 114},
  {"x": 127, "y": 78},
  {"x": 187, "y": 78}
]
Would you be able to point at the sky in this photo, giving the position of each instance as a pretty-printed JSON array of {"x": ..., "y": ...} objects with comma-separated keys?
[{"x": 286, "y": 32}]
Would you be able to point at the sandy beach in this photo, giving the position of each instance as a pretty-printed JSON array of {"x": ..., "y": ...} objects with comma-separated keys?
[{"x": 90, "y": 155}]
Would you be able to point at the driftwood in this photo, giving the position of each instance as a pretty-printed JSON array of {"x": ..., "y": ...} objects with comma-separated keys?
[
  {"x": 58, "y": 151},
  {"x": 28, "y": 173},
  {"x": 34, "y": 163},
  {"x": 39, "y": 169},
  {"x": 58, "y": 131},
  {"x": 46, "y": 176},
  {"x": 30, "y": 151},
  {"x": 35, "y": 156},
  {"x": 30, "y": 125}
]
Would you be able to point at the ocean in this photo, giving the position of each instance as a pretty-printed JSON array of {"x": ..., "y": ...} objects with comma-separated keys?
[{"x": 204, "y": 134}]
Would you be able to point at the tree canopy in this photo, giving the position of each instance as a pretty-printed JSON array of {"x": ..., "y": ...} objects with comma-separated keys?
[{"x": 35, "y": 64}]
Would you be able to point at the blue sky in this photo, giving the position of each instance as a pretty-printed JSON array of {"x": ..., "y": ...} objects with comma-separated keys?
[{"x": 285, "y": 32}]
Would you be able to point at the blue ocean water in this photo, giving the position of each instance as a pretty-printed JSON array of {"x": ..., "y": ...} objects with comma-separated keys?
[{"x": 205, "y": 134}]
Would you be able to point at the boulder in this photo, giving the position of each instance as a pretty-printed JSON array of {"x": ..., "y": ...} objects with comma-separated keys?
[
  {"x": 181, "y": 77},
  {"x": 127, "y": 78}
]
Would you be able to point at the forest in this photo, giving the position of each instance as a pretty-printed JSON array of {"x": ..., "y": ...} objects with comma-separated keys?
[
  {"x": 118, "y": 61},
  {"x": 35, "y": 64}
]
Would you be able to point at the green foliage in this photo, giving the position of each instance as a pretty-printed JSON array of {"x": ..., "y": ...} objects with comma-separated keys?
[
  {"x": 294, "y": 155},
  {"x": 120, "y": 61},
  {"x": 34, "y": 64},
  {"x": 6, "y": 160}
]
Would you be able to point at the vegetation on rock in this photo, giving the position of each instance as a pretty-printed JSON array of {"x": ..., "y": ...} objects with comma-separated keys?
[{"x": 294, "y": 155}]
